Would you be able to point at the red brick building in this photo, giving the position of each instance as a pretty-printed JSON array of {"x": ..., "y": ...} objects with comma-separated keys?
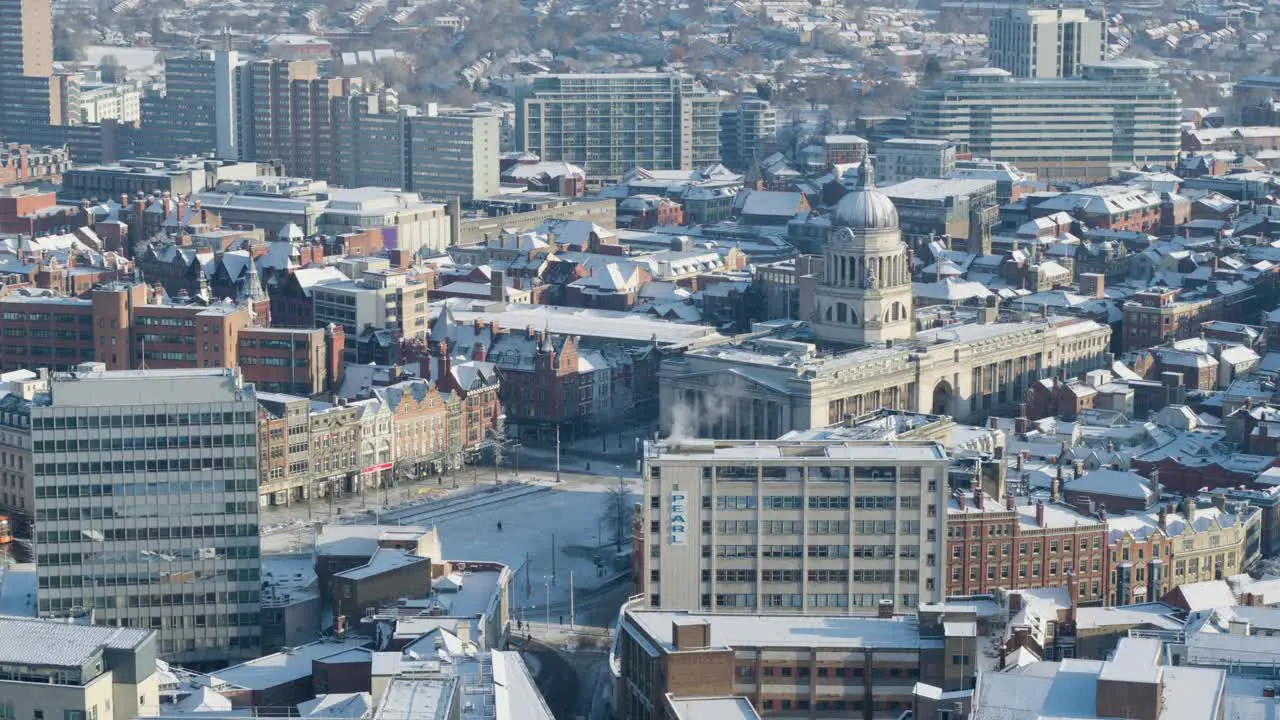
[
  {"x": 30, "y": 212},
  {"x": 297, "y": 361},
  {"x": 22, "y": 164},
  {"x": 120, "y": 324},
  {"x": 1014, "y": 545}
]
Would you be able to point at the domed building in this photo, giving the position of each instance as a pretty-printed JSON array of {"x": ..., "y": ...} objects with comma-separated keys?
[
  {"x": 865, "y": 293},
  {"x": 863, "y": 348}
]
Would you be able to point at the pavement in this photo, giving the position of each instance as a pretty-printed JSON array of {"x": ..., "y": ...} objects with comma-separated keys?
[{"x": 554, "y": 533}]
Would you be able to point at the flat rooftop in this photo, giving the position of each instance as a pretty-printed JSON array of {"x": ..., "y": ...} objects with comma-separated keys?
[
  {"x": 602, "y": 324},
  {"x": 417, "y": 698},
  {"x": 794, "y": 451},
  {"x": 713, "y": 708},
  {"x": 362, "y": 540},
  {"x": 146, "y": 387},
  {"x": 45, "y": 643},
  {"x": 838, "y": 631},
  {"x": 936, "y": 188}
]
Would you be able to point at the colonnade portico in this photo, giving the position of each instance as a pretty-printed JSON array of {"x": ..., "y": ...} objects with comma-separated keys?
[{"x": 710, "y": 413}]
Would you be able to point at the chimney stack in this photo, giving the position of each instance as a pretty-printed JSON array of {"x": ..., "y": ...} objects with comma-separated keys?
[
  {"x": 977, "y": 497},
  {"x": 1055, "y": 487},
  {"x": 1008, "y": 502},
  {"x": 1164, "y": 518},
  {"x": 1040, "y": 513},
  {"x": 960, "y": 500},
  {"x": 1102, "y": 512},
  {"x": 1189, "y": 508}
]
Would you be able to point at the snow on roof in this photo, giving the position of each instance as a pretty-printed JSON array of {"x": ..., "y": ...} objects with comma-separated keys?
[
  {"x": 790, "y": 630},
  {"x": 279, "y": 668},
  {"x": 338, "y": 705},
  {"x": 309, "y": 277},
  {"x": 712, "y": 708},
  {"x": 361, "y": 540},
  {"x": 1145, "y": 523},
  {"x": 43, "y": 643},
  {"x": 515, "y": 695},
  {"x": 1116, "y": 483},
  {"x": 1158, "y": 615},
  {"x": 1237, "y": 355},
  {"x": 951, "y": 290},
  {"x": 1206, "y": 595},
  {"x": 383, "y": 560},
  {"x": 603, "y": 324},
  {"x": 776, "y": 204},
  {"x": 1103, "y": 200}
]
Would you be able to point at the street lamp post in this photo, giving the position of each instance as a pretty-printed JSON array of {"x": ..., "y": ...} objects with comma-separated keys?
[
  {"x": 547, "y": 581},
  {"x": 622, "y": 500}
]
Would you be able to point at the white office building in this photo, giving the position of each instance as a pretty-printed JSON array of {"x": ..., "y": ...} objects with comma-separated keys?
[
  {"x": 453, "y": 154},
  {"x": 902, "y": 159},
  {"x": 793, "y": 526},
  {"x": 56, "y": 670},
  {"x": 1116, "y": 114},
  {"x": 611, "y": 123},
  {"x": 1046, "y": 42},
  {"x": 146, "y": 506}
]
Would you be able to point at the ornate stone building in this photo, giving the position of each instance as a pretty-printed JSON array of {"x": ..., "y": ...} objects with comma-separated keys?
[{"x": 863, "y": 348}]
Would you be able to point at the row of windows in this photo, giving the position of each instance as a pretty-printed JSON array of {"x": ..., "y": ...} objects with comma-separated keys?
[
  {"x": 147, "y": 488},
  {"x": 778, "y": 551},
  {"x": 748, "y": 600},
  {"x": 144, "y": 420},
  {"x": 248, "y": 597},
  {"x": 163, "y": 442},
  {"x": 120, "y": 467},
  {"x": 185, "y": 531},
  {"x": 273, "y": 361},
  {"x": 818, "y": 502}
]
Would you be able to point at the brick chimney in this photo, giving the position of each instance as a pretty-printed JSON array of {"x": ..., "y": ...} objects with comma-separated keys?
[
  {"x": 1164, "y": 517},
  {"x": 960, "y": 500},
  {"x": 1055, "y": 487},
  {"x": 1189, "y": 508},
  {"x": 1009, "y": 503},
  {"x": 689, "y": 634},
  {"x": 977, "y": 497},
  {"x": 1040, "y": 513}
]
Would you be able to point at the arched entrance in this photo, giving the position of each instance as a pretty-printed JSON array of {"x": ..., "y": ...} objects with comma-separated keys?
[{"x": 942, "y": 397}]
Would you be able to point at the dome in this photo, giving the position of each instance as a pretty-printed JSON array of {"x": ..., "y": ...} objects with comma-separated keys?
[{"x": 866, "y": 208}]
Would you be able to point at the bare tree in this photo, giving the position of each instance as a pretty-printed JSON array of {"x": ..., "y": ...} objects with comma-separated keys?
[{"x": 616, "y": 513}]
